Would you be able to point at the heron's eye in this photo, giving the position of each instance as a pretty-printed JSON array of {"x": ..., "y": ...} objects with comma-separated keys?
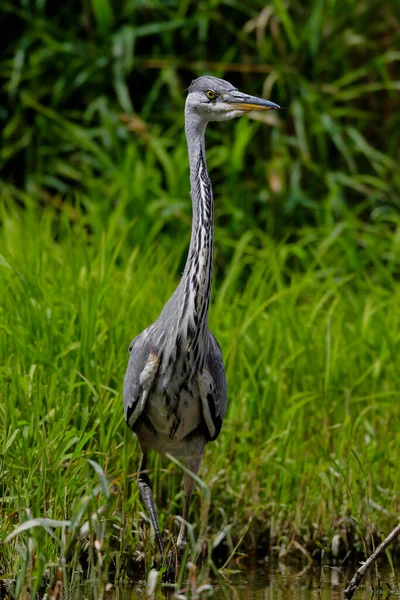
[{"x": 210, "y": 94}]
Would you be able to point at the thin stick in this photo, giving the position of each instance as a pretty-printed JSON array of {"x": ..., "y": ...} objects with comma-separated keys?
[
  {"x": 245, "y": 530},
  {"x": 355, "y": 582}
]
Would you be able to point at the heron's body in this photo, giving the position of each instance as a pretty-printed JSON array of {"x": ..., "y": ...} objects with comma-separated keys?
[{"x": 175, "y": 389}]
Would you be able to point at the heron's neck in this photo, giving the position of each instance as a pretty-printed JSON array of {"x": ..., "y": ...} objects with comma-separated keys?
[{"x": 196, "y": 280}]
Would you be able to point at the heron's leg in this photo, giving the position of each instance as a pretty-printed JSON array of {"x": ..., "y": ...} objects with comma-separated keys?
[
  {"x": 147, "y": 496},
  {"x": 188, "y": 484}
]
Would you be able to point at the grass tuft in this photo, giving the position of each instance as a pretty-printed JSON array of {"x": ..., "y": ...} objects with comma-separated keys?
[{"x": 308, "y": 329}]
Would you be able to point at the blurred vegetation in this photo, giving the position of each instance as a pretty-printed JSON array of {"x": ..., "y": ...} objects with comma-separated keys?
[
  {"x": 95, "y": 216},
  {"x": 92, "y": 108}
]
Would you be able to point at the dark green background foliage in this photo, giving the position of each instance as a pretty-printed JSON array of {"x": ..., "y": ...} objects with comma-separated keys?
[
  {"x": 95, "y": 216},
  {"x": 76, "y": 76}
]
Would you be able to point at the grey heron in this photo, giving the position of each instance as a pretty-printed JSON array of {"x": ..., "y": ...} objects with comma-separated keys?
[{"x": 175, "y": 393}]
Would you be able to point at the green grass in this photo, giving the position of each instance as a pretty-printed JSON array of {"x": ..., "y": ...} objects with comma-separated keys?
[
  {"x": 310, "y": 334},
  {"x": 95, "y": 217}
]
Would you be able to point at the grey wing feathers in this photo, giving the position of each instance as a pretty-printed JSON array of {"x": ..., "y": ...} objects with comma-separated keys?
[
  {"x": 217, "y": 399},
  {"x": 133, "y": 388}
]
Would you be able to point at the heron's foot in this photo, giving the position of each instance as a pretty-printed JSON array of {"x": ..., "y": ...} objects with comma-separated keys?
[
  {"x": 172, "y": 566},
  {"x": 173, "y": 563}
]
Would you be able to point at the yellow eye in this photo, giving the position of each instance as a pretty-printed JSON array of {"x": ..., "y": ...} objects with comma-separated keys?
[{"x": 210, "y": 94}]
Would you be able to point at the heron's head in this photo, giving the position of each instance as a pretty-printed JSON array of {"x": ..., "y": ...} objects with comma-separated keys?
[{"x": 214, "y": 99}]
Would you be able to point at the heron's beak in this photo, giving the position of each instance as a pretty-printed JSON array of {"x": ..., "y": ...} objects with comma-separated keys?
[{"x": 238, "y": 101}]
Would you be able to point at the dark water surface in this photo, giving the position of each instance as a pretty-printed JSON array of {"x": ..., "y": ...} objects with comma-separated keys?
[{"x": 277, "y": 582}]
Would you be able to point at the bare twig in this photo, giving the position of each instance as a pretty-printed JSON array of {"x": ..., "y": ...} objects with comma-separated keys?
[{"x": 355, "y": 582}]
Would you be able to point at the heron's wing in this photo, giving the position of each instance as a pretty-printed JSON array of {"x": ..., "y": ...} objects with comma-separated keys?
[
  {"x": 217, "y": 397},
  {"x": 139, "y": 377}
]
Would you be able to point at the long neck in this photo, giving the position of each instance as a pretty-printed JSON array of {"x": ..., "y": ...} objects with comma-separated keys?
[{"x": 195, "y": 286}]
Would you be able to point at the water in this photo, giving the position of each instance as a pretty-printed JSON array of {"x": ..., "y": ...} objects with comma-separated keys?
[{"x": 279, "y": 582}]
